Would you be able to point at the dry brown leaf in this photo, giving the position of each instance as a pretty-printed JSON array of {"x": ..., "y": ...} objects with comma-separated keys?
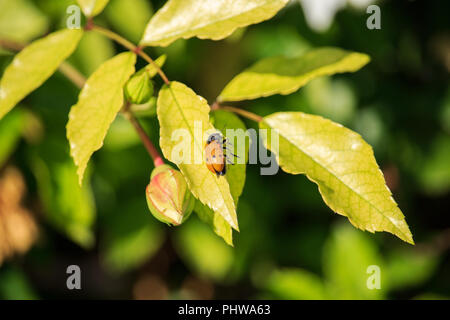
[{"x": 18, "y": 230}]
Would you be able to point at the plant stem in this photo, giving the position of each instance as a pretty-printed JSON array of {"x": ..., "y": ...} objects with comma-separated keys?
[
  {"x": 72, "y": 74},
  {"x": 244, "y": 113},
  {"x": 11, "y": 45},
  {"x": 157, "y": 158},
  {"x": 114, "y": 36},
  {"x": 130, "y": 46}
]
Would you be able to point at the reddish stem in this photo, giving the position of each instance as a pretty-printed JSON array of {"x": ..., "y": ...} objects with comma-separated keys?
[{"x": 157, "y": 158}]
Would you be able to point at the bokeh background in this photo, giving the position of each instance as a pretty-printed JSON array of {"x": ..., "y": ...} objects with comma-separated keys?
[{"x": 291, "y": 246}]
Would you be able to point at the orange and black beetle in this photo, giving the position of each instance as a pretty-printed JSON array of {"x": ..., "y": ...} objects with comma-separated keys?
[{"x": 215, "y": 154}]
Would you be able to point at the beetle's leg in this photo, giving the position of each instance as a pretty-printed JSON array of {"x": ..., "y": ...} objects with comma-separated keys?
[
  {"x": 231, "y": 153},
  {"x": 230, "y": 162}
]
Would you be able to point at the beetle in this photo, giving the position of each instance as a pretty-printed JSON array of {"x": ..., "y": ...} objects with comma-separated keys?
[{"x": 215, "y": 154}]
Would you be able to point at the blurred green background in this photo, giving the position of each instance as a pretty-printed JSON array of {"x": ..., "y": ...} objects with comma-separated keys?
[{"x": 291, "y": 246}]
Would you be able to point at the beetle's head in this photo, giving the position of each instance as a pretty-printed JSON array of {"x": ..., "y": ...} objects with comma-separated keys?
[{"x": 214, "y": 137}]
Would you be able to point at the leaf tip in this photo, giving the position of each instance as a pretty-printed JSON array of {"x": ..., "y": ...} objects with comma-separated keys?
[
  {"x": 409, "y": 239},
  {"x": 363, "y": 58}
]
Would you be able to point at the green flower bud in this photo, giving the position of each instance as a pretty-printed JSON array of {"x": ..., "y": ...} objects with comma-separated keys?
[
  {"x": 139, "y": 88},
  {"x": 168, "y": 196}
]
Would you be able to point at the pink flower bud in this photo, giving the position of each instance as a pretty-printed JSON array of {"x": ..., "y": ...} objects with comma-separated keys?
[{"x": 168, "y": 196}]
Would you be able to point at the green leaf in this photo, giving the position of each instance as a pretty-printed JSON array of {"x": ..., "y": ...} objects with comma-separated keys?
[
  {"x": 434, "y": 172},
  {"x": 238, "y": 145},
  {"x": 69, "y": 207},
  {"x": 91, "y": 8},
  {"x": 130, "y": 239},
  {"x": 342, "y": 164},
  {"x": 235, "y": 176},
  {"x": 206, "y": 19},
  {"x": 347, "y": 255},
  {"x": 21, "y": 21},
  {"x": 5, "y": 53},
  {"x": 220, "y": 226},
  {"x": 98, "y": 104},
  {"x": 295, "y": 284},
  {"x": 15, "y": 285},
  {"x": 181, "y": 111},
  {"x": 35, "y": 64},
  {"x": 331, "y": 98},
  {"x": 202, "y": 251},
  {"x": 408, "y": 268},
  {"x": 282, "y": 75},
  {"x": 10, "y": 130}
]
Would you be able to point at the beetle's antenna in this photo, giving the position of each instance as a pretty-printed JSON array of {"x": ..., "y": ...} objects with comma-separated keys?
[{"x": 232, "y": 153}]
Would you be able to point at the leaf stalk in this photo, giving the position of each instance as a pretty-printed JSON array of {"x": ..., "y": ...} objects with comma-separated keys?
[
  {"x": 130, "y": 46},
  {"x": 241, "y": 112}
]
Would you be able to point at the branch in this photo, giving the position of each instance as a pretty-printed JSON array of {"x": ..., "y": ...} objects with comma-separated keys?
[
  {"x": 130, "y": 46},
  {"x": 11, "y": 45},
  {"x": 72, "y": 74},
  {"x": 157, "y": 159}
]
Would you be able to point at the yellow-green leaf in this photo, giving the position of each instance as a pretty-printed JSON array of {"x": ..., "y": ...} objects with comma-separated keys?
[
  {"x": 11, "y": 128},
  {"x": 238, "y": 144},
  {"x": 206, "y": 19},
  {"x": 295, "y": 284},
  {"x": 92, "y": 8},
  {"x": 21, "y": 21},
  {"x": 282, "y": 75},
  {"x": 220, "y": 226},
  {"x": 68, "y": 207},
  {"x": 203, "y": 252},
  {"x": 98, "y": 104},
  {"x": 342, "y": 164},
  {"x": 184, "y": 120},
  {"x": 35, "y": 64},
  {"x": 235, "y": 176},
  {"x": 130, "y": 240}
]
